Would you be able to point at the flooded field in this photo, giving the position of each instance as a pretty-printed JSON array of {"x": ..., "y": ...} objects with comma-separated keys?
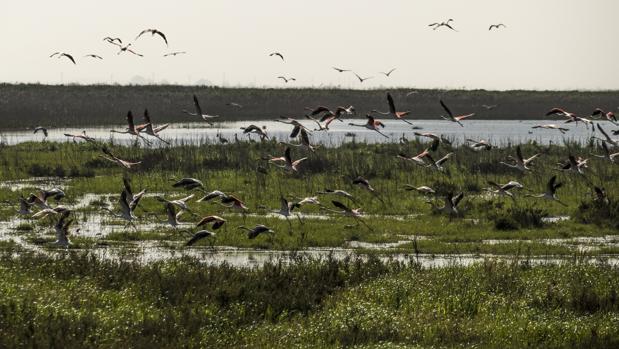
[{"x": 498, "y": 132}]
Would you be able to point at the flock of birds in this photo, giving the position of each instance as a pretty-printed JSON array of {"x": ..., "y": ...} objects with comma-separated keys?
[
  {"x": 127, "y": 48},
  {"x": 322, "y": 116}
]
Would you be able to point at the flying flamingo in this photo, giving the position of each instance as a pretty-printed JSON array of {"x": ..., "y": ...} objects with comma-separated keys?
[
  {"x": 131, "y": 129},
  {"x": 397, "y": 114},
  {"x": 206, "y": 117},
  {"x": 520, "y": 163},
  {"x": 372, "y": 124},
  {"x": 551, "y": 191},
  {"x": 453, "y": 118}
]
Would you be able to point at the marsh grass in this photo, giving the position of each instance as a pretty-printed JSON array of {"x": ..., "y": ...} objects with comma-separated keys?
[{"x": 77, "y": 300}]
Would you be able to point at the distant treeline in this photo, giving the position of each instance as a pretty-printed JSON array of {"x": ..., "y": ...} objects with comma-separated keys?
[{"x": 28, "y": 105}]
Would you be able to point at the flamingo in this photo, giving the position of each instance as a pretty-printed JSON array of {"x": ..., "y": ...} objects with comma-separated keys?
[
  {"x": 436, "y": 138},
  {"x": 607, "y": 138},
  {"x": 112, "y": 40},
  {"x": 290, "y": 166},
  {"x": 153, "y": 33},
  {"x": 340, "y": 70},
  {"x": 180, "y": 203},
  {"x": 94, "y": 56},
  {"x": 277, "y": 54},
  {"x": 504, "y": 189},
  {"x": 489, "y": 106},
  {"x": 205, "y": 117},
  {"x": 552, "y": 127},
  {"x": 496, "y": 26},
  {"x": 397, "y": 114},
  {"x": 610, "y": 116},
  {"x": 176, "y": 53},
  {"x": 113, "y": 158},
  {"x": 202, "y": 234},
  {"x": 551, "y": 191},
  {"x": 442, "y": 24},
  {"x": 453, "y": 118},
  {"x": 150, "y": 130},
  {"x": 255, "y": 129},
  {"x": 80, "y": 136},
  {"x": 286, "y": 80},
  {"x": 372, "y": 124},
  {"x": 361, "y": 80},
  {"x": 234, "y": 105},
  {"x": 422, "y": 189},
  {"x": 62, "y": 54},
  {"x": 216, "y": 221},
  {"x": 417, "y": 159},
  {"x": 127, "y": 49},
  {"x": 62, "y": 230},
  {"x": 127, "y": 208},
  {"x": 607, "y": 155},
  {"x": 451, "y": 204},
  {"x": 188, "y": 184},
  {"x": 338, "y": 192},
  {"x": 172, "y": 215},
  {"x": 257, "y": 230},
  {"x": 574, "y": 165},
  {"x": 327, "y": 119},
  {"x": 387, "y": 74},
  {"x": 297, "y": 126},
  {"x": 42, "y": 129},
  {"x": 305, "y": 142},
  {"x": 24, "y": 206},
  {"x": 51, "y": 211},
  {"x": 349, "y": 212},
  {"x": 439, "y": 163},
  {"x": 482, "y": 144},
  {"x": 520, "y": 163},
  {"x": 131, "y": 129},
  {"x": 286, "y": 209}
]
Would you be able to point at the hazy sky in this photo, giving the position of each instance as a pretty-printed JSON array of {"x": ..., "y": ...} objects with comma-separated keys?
[{"x": 549, "y": 44}]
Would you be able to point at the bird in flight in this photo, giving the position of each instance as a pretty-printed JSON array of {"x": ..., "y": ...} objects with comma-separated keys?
[
  {"x": 452, "y": 117},
  {"x": 112, "y": 40},
  {"x": 153, "y": 33},
  {"x": 277, "y": 54},
  {"x": 340, "y": 70},
  {"x": 199, "y": 112},
  {"x": 62, "y": 54},
  {"x": 41, "y": 128},
  {"x": 175, "y": 53},
  {"x": 442, "y": 24},
  {"x": 127, "y": 49},
  {"x": 94, "y": 56},
  {"x": 398, "y": 114},
  {"x": 497, "y": 26},
  {"x": 286, "y": 80},
  {"x": 362, "y": 79},
  {"x": 387, "y": 74}
]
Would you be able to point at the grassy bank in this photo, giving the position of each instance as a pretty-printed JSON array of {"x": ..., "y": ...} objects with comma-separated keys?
[
  {"x": 31, "y": 105},
  {"x": 79, "y": 301}
]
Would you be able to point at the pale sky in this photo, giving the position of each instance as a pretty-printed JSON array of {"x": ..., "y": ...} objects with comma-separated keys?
[{"x": 549, "y": 44}]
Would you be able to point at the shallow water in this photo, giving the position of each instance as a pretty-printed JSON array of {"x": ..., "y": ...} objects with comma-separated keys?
[{"x": 498, "y": 132}]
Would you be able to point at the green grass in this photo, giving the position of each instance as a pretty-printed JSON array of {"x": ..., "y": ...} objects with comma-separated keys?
[
  {"x": 232, "y": 169},
  {"x": 80, "y": 301}
]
